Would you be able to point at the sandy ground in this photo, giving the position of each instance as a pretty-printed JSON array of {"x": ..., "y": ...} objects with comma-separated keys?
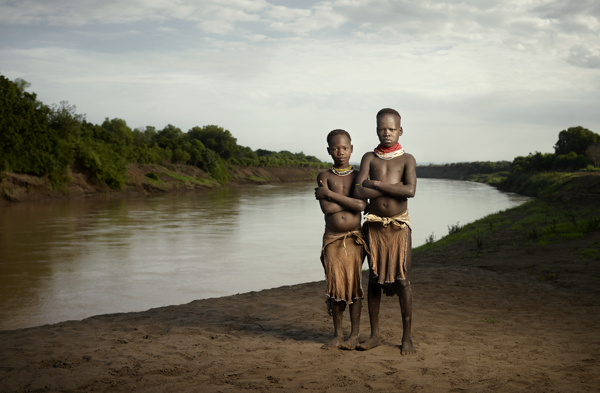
[{"x": 547, "y": 339}]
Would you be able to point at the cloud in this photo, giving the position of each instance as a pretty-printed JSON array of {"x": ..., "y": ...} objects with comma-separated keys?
[
  {"x": 565, "y": 9},
  {"x": 583, "y": 56},
  {"x": 545, "y": 25},
  {"x": 321, "y": 17},
  {"x": 286, "y": 13},
  {"x": 459, "y": 71},
  {"x": 78, "y": 13}
]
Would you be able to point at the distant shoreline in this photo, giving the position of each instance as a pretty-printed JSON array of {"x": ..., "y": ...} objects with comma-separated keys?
[
  {"x": 144, "y": 179},
  {"x": 441, "y": 172}
]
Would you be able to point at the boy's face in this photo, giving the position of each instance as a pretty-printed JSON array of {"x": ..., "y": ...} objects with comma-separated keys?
[
  {"x": 388, "y": 129},
  {"x": 340, "y": 150}
]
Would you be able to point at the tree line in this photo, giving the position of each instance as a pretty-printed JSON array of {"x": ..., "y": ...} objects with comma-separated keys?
[
  {"x": 50, "y": 140},
  {"x": 477, "y": 167},
  {"x": 577, "y": 148}
]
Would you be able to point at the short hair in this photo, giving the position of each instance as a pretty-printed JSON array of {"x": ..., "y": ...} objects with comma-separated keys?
[
  {"x": 337, "y": 132},
  {"x": 388, "y": 111}
]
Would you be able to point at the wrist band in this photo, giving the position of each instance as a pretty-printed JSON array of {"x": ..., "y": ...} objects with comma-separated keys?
[{"x": 377, "y": 185}]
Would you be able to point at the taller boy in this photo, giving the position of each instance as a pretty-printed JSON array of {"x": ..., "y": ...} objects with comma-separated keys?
[{"x": 388, "y": 178}]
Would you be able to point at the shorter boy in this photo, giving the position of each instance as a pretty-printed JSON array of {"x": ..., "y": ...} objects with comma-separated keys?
[{"x": 343, "y": 244}]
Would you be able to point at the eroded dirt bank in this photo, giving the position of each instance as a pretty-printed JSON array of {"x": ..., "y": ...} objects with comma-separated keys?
[{"x": 142, "y": 180}]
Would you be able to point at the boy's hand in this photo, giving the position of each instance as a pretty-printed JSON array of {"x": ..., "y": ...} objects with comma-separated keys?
[
  {"x": 322, "y": 191},
  {"x": 369, "y": 183}
]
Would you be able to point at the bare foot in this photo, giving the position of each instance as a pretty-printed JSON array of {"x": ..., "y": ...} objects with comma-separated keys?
[
  {"x": 369, "y": 344},
  {"x": 336, "y": 343},
  {"x": 350, "y": 343},
  {"x": 407, "y": 347}
]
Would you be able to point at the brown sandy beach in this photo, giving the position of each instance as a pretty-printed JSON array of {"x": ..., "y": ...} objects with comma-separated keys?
[{"x": 546, "y": 339}]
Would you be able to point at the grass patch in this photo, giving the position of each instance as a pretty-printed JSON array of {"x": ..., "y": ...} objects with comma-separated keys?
[
  {"x": 490, "y": 320},
  {"x": 540, "y": 222},
  {"x": 572, "y": 235},
  {"x": 199, "y": 180},
  {"x": 159, "y": 184},
  {"x": 188, "y": 179},
  {"x": 258, "y": 179},
  {"x": 591, "y": 225},
  {"x": 537, "y": 183},
  {"x": 589, "y": 252},
  {"x": 489, "y": 178}
]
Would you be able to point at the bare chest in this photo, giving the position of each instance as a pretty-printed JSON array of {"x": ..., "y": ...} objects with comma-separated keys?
[
  {"x": 387, "y": 170},
  {"x": 341, "y": 184}
]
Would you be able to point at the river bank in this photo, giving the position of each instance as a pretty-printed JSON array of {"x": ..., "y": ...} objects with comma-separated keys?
[
  {"x": 510, "y": 302},
  {"x": 486, "y": 323},
  {"x": 143, "y": 180}
]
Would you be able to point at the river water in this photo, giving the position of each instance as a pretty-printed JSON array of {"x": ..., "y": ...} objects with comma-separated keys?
[{"x": 63, "y": 260}]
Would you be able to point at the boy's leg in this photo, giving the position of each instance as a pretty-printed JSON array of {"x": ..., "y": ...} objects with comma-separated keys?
[
  {"x": 337, "y": 309},
  {"x": 405, "y": 299},
  {"x": 405, "y": 295},
  {"x": 355, "y": 310},
  {"x": 374, "y": 300}
]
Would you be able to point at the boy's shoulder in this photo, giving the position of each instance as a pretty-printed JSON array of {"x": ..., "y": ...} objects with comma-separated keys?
[
  {"x": 408, "y": 157},
  {"x": 368, "y": 156},
  {"x": 324, "y": 174}
]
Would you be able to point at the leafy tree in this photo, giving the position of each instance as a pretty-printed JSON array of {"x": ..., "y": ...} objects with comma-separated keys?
[
  {"x": 213, "y": 164},
  {"x": 170, "y": 137},
  {"x": 121, "y": 135},
  {"x": 575, "y": 139},
  {"x": 144, "y": 136},
  {"x": 196, "y": 148},
  {"x": 66, "y": 121},
  {"x": 27, "y": 142},
  {"x": 181, "y": 156},
  {"x": 247, "y": 156},
  {"x": 217, "y": 139},
  {"x": 569, "y": 162}
]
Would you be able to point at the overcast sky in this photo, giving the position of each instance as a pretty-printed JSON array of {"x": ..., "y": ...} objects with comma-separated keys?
[{"x": 473, "y": 80}]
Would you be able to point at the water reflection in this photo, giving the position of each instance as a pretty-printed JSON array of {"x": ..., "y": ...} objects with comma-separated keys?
[
  {"x": 73, "y": 259},
  {"x": 440, "y": 203}
]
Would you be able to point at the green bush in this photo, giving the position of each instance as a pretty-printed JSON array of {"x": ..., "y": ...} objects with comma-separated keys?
[
  {"x": 535, "y": 183},
  {"x": 101, "y": 163},
  {"x": 213, "y": 164}
]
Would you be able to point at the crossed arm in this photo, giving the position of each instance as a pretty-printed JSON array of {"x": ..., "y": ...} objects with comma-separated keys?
[
  {"x": 371, "y": 189},
  {"x": 332, "y": 202}
]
